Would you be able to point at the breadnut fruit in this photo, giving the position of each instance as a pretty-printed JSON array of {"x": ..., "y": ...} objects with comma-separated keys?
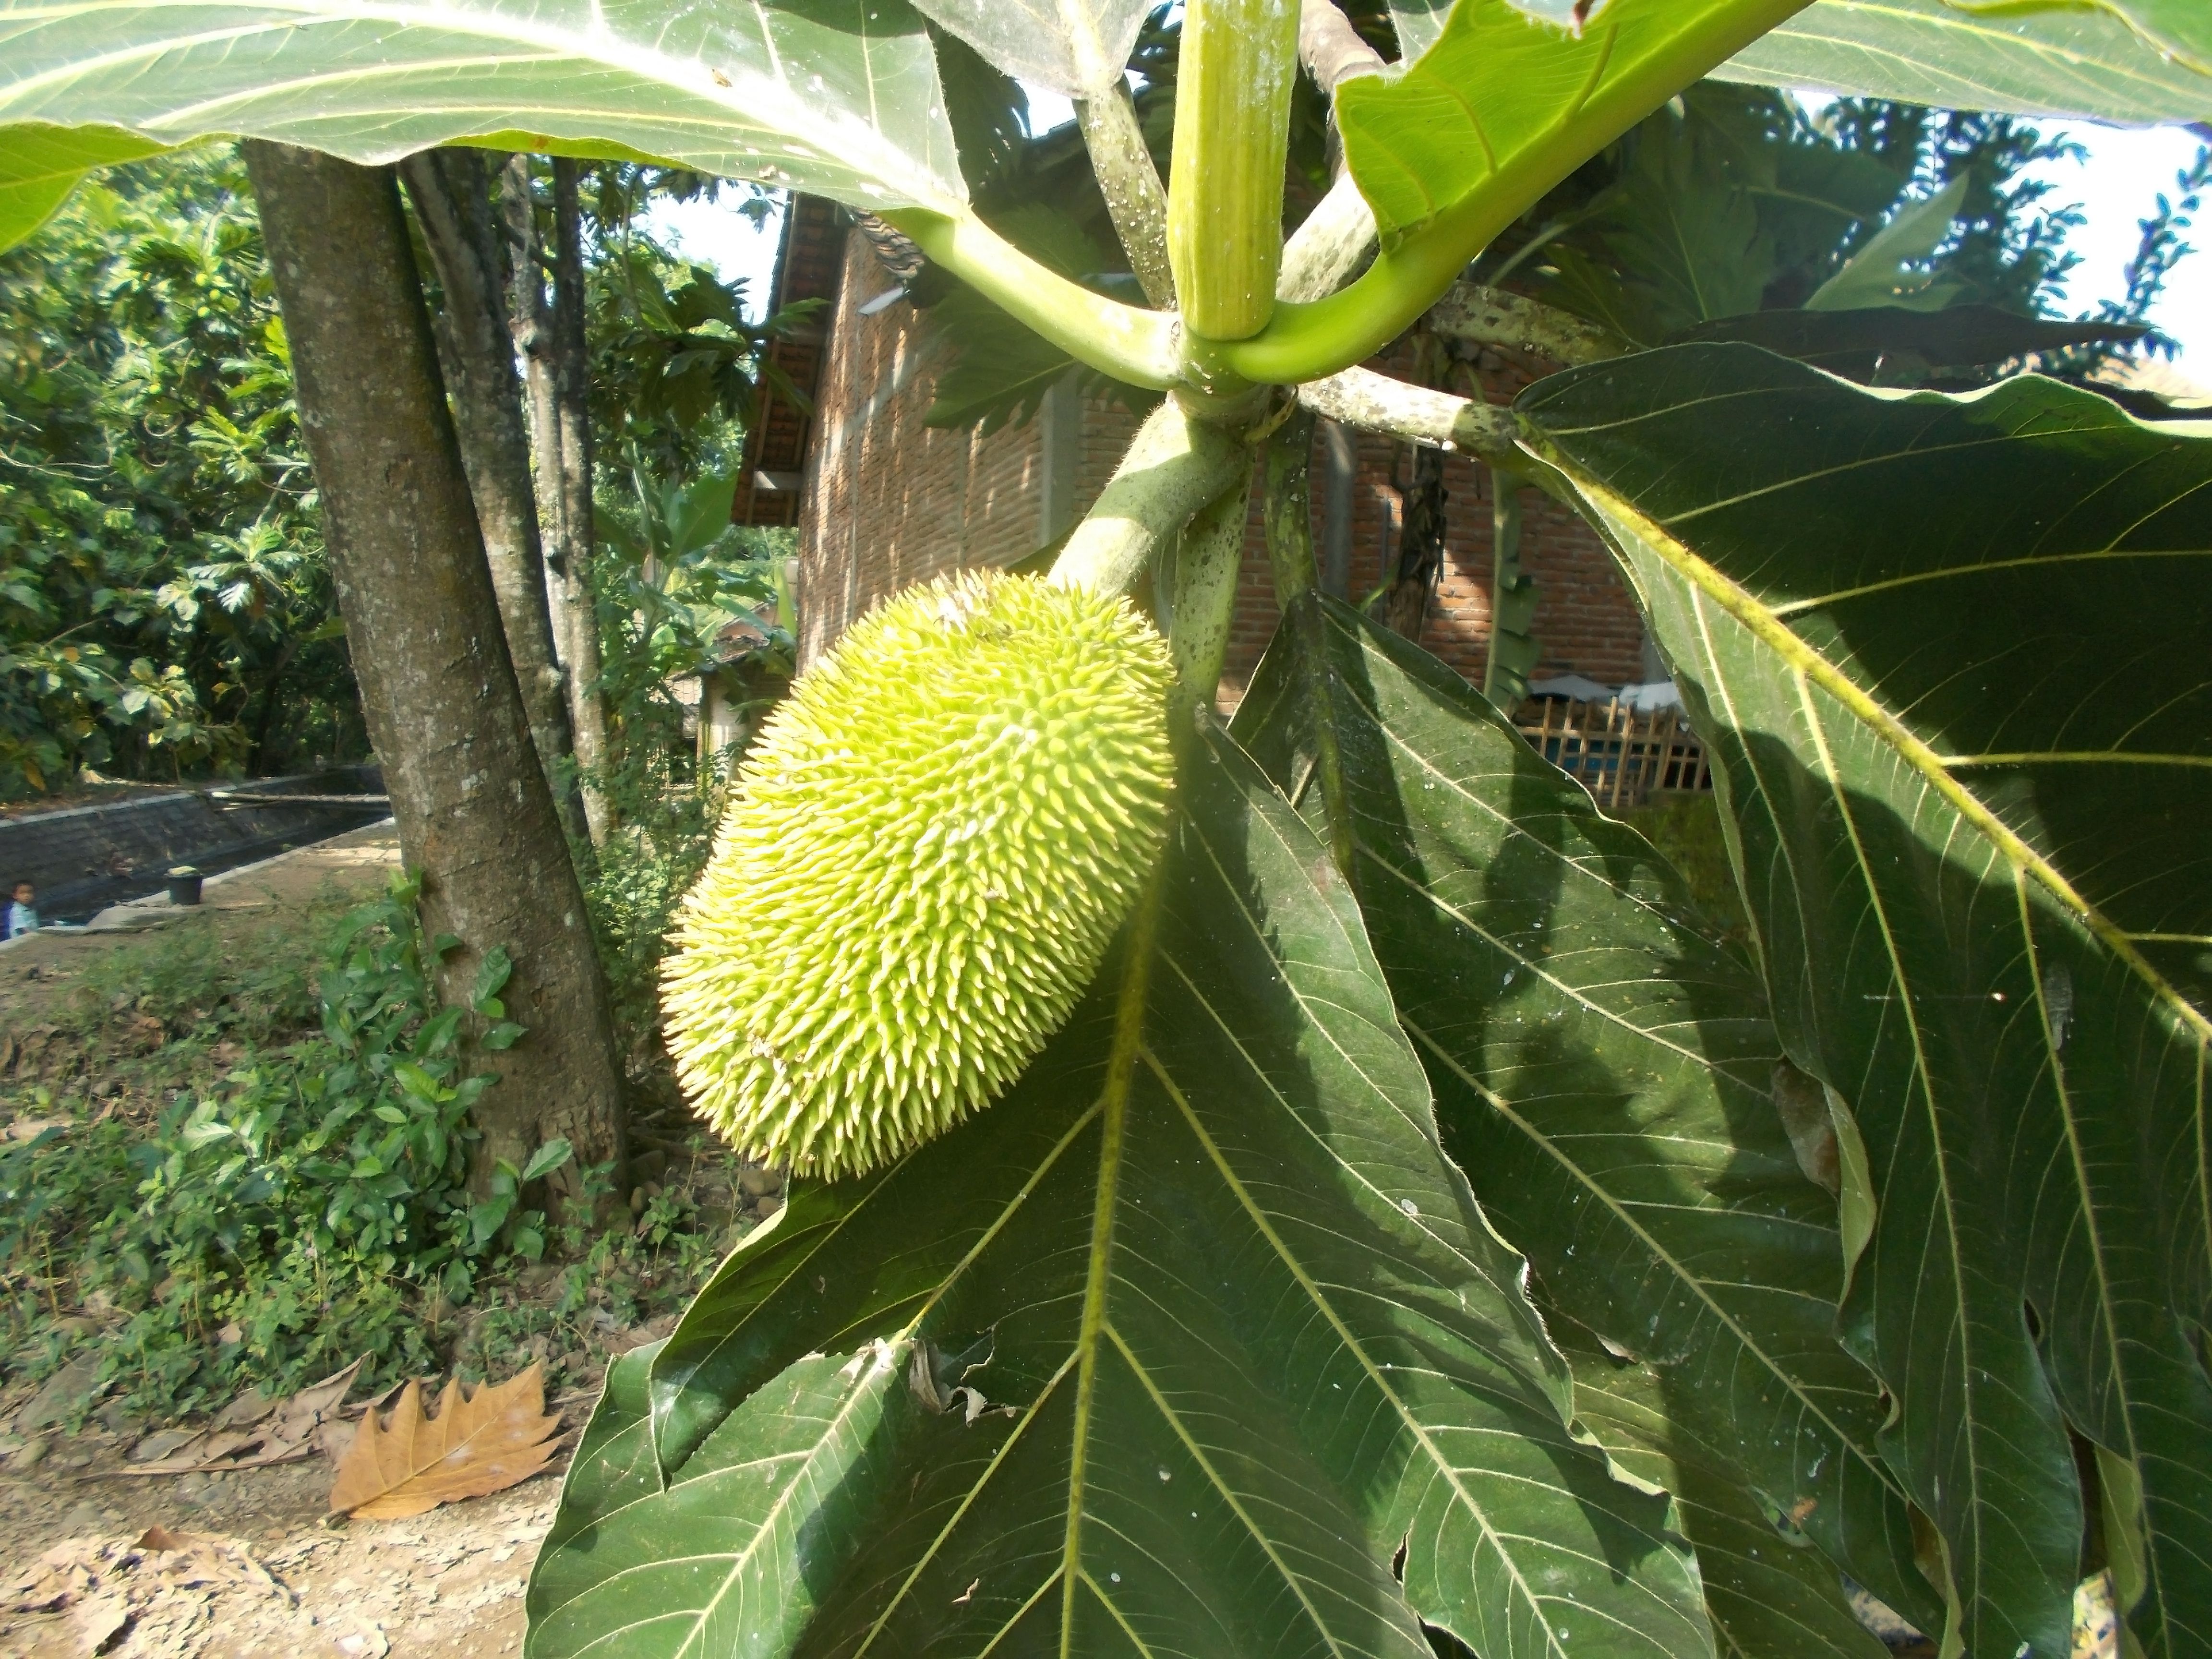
[{"x": 931, "y": 844}]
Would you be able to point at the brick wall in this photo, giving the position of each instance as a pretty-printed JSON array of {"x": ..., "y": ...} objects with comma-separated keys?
[{"x": 890, "y": 501}]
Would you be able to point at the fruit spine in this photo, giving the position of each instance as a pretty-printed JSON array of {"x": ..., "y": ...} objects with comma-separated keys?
[{"x": 931, "y": 843}]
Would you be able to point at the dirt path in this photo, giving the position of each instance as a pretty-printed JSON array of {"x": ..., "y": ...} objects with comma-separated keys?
[{"x": 283, "y": 1584}]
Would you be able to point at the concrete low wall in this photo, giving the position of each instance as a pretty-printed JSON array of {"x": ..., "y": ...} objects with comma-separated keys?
[{"x": 83, "y": 858}]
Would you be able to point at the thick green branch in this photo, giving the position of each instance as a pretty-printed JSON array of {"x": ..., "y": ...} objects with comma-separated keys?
[
  {"x": 1233, "y": 86},
  {"x": 1376, "y": 403},
  {"x": 1335, "y": 238},
  {"x": 1489, "y": 316},
  {"x": 1131, "y": 345},
  {"x": 1328, "y": 246},
  {"x": 1131, "y": 185},
  {"x": 1288, "y": 515},
  {"x": 1206, "y": 564},
  {"x": 1174, "y": 466}
]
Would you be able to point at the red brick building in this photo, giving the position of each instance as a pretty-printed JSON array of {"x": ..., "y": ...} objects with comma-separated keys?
[{"x": 882, "y": 500}]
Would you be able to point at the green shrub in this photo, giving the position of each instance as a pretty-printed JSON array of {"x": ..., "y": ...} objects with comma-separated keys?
[{"x": 291, "y": 1213}]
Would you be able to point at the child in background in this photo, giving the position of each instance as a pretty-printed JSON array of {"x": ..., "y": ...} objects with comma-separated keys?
[{"x": 22, "y": 913}]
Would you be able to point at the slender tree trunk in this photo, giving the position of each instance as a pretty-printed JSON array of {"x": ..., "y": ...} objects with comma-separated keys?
[
  {"x": 560, "y": 436},
  {"x": 573, "y": 417},
  {"x": 530, "y": 321},
  {"x": 475, "y": 819},
  {"x": 453, "y": 204}
]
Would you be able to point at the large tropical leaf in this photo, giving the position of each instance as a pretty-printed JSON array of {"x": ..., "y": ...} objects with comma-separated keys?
[
  {"x": 1771, "y": 1595},
  {"x": 839, "y": 97},
  {"x": 1951, "y": 655},
  {"x": 1855, "y": 343},
  {"x": 1074, "y": 47},
  {"x": 1172, "y": 1350},
  {"x": 2065, "y": 59},
  {"x": 1604, "y": 1072},
  {"x": 1507, "y": 102},
  {"x": 39, "y": 168}
]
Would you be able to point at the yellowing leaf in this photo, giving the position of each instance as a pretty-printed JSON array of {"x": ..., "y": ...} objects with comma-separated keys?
[{"x": 478, "y": 1442}]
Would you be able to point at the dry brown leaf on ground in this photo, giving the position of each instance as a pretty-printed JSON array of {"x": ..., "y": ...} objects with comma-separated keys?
[
  {"x": 254, "y": 1430},
  {"x": 164, "y": 1587},
  {"x": 479, "y": 1441}
]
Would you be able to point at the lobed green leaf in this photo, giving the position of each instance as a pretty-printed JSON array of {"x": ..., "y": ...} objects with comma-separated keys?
[
  {"x": 1606, "y": 1074},
  {"x": 1949, "y": 653},
  {"x": 1183, "y": 1345},
  {"x": 2129, "y": 60}
]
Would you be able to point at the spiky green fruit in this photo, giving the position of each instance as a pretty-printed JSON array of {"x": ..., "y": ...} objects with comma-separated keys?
[{"x": 931, "y": 843}]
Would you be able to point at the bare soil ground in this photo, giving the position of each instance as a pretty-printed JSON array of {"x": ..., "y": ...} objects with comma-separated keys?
[{"x": 284, "y": 1584}]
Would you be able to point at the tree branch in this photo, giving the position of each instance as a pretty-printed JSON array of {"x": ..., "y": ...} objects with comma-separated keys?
[
  {"x": 1175, "y": 465},
  {"x": 1329, "y": 245},
  {"x": 1131, "y": 185},
  {"x": 1336, "y": 237},
  {"x": 1489, "y": 316},
  {"x": 1331, "y": 49},
  {"x": 1376, "y": 403}
]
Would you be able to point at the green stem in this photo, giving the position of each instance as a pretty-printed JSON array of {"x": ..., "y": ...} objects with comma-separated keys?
[
  {"x": 1489, "y": 316},
  {"x": 1133, "y": 345},
  {"x": 1376, "y": 403},
  {"x": 1233, "y": 82},
  {"x": 1174, "y": 466},
  {"x": 1513, "y": 647},
  {"x": 1131, "y": 185},
  {"x": 1306, "y": 342}
]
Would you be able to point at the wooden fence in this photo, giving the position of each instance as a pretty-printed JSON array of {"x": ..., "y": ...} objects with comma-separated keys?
[{"x": 1619, "y": 755}]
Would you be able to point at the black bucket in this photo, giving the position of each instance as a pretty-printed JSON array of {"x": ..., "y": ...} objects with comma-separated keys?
[{"x": 183, "y": 884}]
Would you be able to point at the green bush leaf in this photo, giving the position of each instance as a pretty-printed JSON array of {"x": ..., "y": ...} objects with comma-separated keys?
[
  {"x": 1191, "y": 1332},
  {"x": 492, "y": 974},
  {"x": 1604, "y": 1072},
  {"x": 1950, "y": 655},
  {"x": 2060, "y": 59},
  {"x": 838, "y": 97},
  {"x": 546, "y": 1160}
]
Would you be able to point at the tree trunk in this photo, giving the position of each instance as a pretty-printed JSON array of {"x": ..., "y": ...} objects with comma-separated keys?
[
  {"x": 453, "y": 204},
  {"x": 477, "y": 822},
  {"x": 1420, "y": 546},
  {"x": 572, "y": 370},
  {"x": 549, "y": 339}
]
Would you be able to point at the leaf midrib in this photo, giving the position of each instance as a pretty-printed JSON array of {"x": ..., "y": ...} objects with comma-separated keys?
[
  {"x": 1916, "y": 753},
  {"x": 1697, "y": 1286},
  {"x": 1450, "y": 1474}
]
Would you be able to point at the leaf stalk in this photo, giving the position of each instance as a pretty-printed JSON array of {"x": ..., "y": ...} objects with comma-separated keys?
[{"x": 1131, "y": 344}]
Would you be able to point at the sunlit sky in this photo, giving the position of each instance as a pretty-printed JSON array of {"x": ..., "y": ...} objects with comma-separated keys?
[{"x": 2116, "y": 185}]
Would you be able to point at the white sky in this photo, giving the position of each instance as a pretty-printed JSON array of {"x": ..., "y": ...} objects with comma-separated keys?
[{"x": 2117, "y": 185}]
